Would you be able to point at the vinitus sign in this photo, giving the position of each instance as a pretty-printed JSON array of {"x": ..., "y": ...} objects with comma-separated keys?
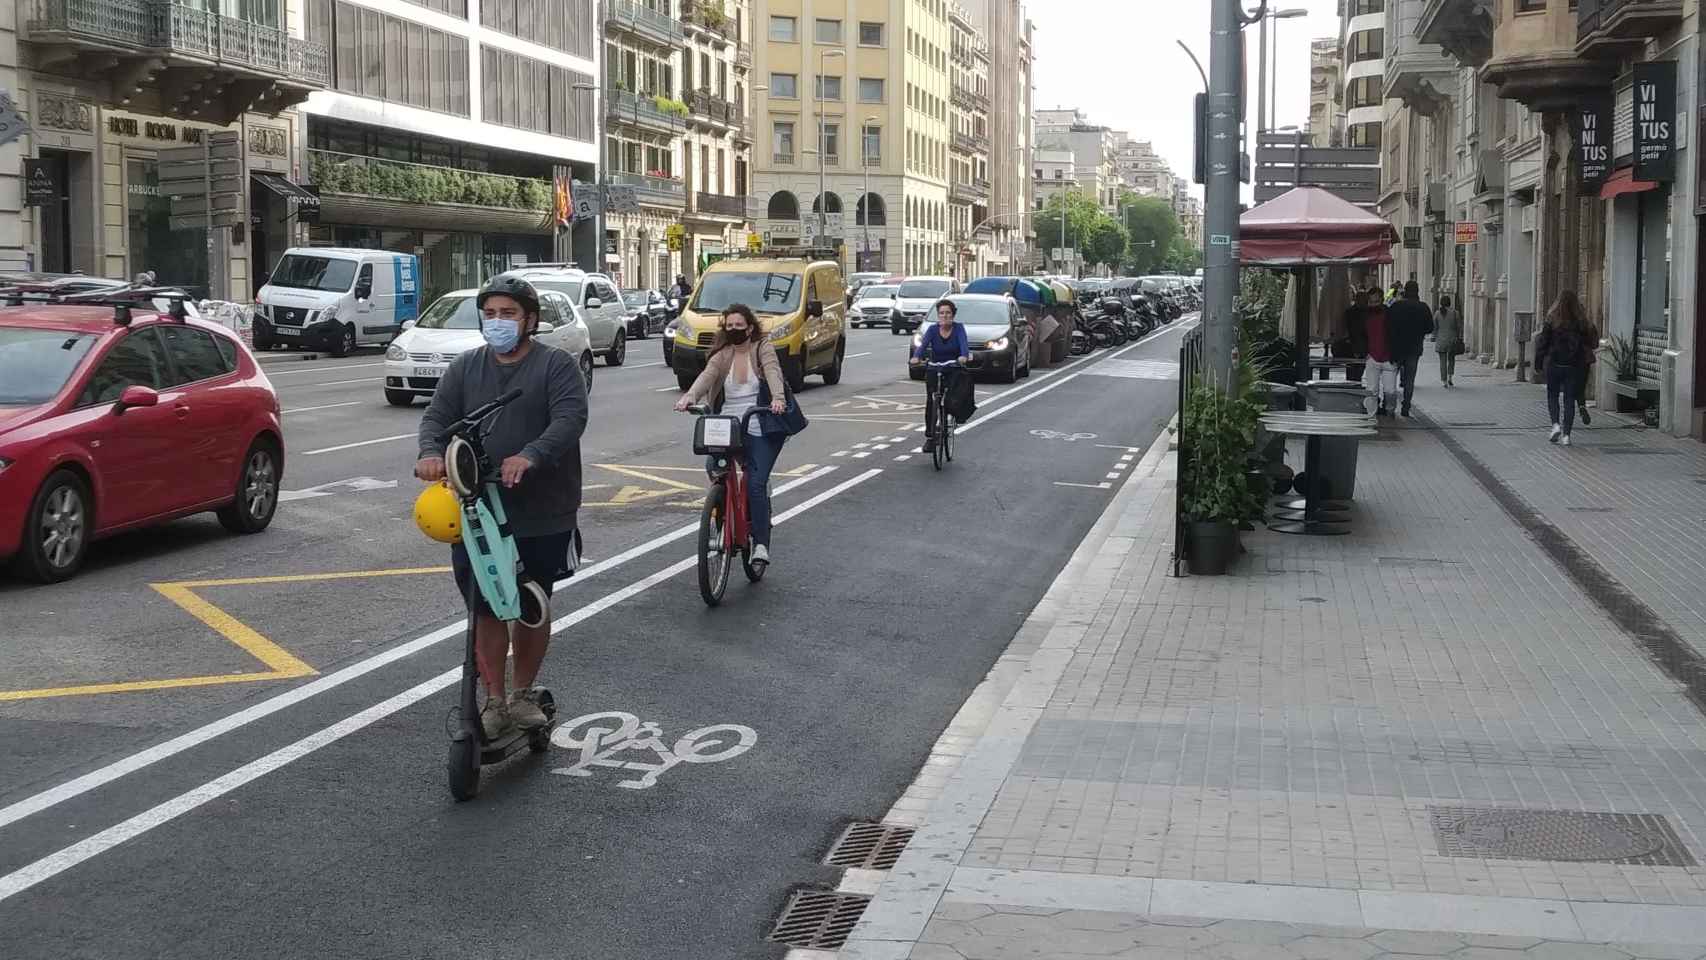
[
  {"x": 1593, "y": 142},
  {"x": 1654, "y": 91}
]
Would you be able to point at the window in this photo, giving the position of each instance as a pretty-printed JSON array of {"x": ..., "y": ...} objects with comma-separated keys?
[
  {"x": 831, "y": 139},
  {"x": 871, "y": 146},
  {"x": 829, "y": 88},
  {"x": 1530, "y": 6},
  {"x": 137, "y": 360},
  {"x": 1367, "y": 45},
  {"x": 785, "y": 29},
  {"x": 871, "y": 90},
  {"x": 827, "y": 31},
  {"x": 785, "y": 86},
  {"x": 782, "y": 140},
  {"x": 870, "y": 34},
  {"x": 194, "y": 354},
  {"x": 783, "y": 206}
]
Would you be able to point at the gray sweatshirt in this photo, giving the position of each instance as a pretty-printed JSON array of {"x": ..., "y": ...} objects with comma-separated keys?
[{"x": 544, "y": 424}]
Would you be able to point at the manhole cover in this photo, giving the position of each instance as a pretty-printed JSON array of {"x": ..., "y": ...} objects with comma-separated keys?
[
  {"x": 1560, "y": 835},
  {"x": 869, "y": 846},
  {"x": 819, "y": 919}
]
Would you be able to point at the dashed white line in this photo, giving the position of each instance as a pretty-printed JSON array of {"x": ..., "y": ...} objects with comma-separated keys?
[
  {"x": 839, "y": 453},
  {"x": 334, "y": 383},
  {"x": 1088, "y": 486},
  {"x": 358, "y": 443},
  {"x": 861, "y": 454},
  {"x": 855, "y": 356},
  {"x": 329, "y": 368},
  {"x": 904, "y": 456},
  {"x": 881, "y": 446},
  {"x": 1128, "y": 458},
  {"x": 323, "y": 406},
  {"x": 1113, "y": 476}
]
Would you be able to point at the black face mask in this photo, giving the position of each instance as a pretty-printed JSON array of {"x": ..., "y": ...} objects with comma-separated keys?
[{"x": 737, "y": 336}]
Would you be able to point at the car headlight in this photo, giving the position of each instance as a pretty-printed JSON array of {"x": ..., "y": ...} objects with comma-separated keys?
[
  {"x": 394, "y": 352},
  {"x": 999, "y": 343},
  {"x": 917, "y": 340},
  {"x": 782, "y": 331},
  {"x": 330, "y": 313}
]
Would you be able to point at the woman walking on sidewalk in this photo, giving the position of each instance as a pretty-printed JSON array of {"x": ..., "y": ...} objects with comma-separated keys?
[
  {"x": 1448, "y": 335},
  {"x": 1561, "y": 350}
]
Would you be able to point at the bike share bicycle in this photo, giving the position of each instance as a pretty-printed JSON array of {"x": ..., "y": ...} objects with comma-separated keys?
[
  {"x": 725, "y": 523},
  {"x": 480, "y": 524},
  {"x": 944, "y": 426}
]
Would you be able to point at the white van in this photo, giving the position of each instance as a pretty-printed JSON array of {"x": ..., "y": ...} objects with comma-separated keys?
[{"x": 336, "y": 299}]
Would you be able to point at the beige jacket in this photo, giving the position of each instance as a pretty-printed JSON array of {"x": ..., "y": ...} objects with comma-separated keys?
[{"x": 709, "y": 386}]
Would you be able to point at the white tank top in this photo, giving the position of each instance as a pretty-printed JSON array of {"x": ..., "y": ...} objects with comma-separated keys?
[{"x": 739, "y": 397}]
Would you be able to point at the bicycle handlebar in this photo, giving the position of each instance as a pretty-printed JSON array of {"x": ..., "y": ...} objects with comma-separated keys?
[
  {"x": 481, "y": 412},
  {"x": 942, "y": 364}
]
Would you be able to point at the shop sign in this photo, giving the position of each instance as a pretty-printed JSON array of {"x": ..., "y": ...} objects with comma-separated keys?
[
  {"x": 40, "y": 186},
  {"x": 1467, "y": 231},
  {"x": 1655, "y": 121},
  {"x": 1592, "y": 131},
  {"x": 158, "y": 131},
  {"x": 1412, "y": 238}
]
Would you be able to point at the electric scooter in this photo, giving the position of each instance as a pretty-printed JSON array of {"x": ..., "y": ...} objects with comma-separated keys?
[{"x": 511, "y": 593}]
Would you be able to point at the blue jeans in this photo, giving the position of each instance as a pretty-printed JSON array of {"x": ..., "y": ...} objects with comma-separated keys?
[{"x": 759, "y": 457}]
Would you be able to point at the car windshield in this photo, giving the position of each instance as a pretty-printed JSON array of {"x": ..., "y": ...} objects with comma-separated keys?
[
  {"x": 982, "y": 313},
  {"x": 924, "y": 288},
  {"x": 450, "y": 313},
  {"x": 568, "y": 288},
  {"x": 878, "y": 292},
  {"x": 636, "y": 298},
  {"x": 308, "y": 272},
  {"x": 34, "y": 364},
  {"x": 763, "y": 292}
]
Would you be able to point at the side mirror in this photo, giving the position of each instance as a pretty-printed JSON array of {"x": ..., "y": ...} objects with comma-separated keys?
[
  {"x": 593, "y": 303},
  {"x": 814, "y": 308},
  {"x": 408, "y": 324},
  {"x": 544, "y": 328},
  {"x": 136, "y": 395}
]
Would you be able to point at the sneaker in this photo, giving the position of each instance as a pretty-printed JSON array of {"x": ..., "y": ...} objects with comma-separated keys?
[
  {"x": 929, "y": 444},
  {"x": 1557, "y": 432},
  {"x": 1582, "y": 415},
  {"x": 1407, "y": 412},
  {"x": 524, "y": 709},
  {"x": 760, "y": 554},
  {"x": 495, "y": 718},
  {"x": 1565, "y": 440}
]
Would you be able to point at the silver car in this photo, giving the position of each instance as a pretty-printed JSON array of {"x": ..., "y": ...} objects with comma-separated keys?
[
  {"x": 416, "y": 360},
  {"x": 594, "y": 296}
]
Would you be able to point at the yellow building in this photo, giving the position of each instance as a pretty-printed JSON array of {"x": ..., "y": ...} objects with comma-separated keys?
[{"x": 876, "y": 75}]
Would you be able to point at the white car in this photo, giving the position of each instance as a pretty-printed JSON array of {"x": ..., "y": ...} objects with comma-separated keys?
[
  {"x": 916, "y": 299},
  {"x": 418, "y": 357},
  {"x": 874, "y": 306}
]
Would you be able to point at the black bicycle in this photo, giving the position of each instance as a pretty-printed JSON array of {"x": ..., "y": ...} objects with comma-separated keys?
[{"x": 943, "y": 427}]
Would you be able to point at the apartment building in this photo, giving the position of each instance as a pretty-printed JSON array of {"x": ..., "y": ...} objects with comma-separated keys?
[
  {"x": 447, "y": 126},
  {"x": 968, "y": 185},
  {"x": 1140, "y": 169},
  {"x": 1012, "y": 131},
  {"x": 1326, "y": 93},
  {"x": 1362, "y": 39},
  {"x": 717, "y": 150},
  {"x": 105, "y": 89},
  {"x": 646, "y": 123},
  {"x": 1094, "y": 149}
]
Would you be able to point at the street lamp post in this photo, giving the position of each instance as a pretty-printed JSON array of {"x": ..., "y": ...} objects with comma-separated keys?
[
  {"x": 865, "y": 199},
  {"x": 822, "y": 143},
  {"x": 1262, "y": 108}
]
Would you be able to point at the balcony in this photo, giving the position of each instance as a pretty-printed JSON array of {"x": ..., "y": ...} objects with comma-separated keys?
[
  {"x": 707, "y": 109},
  {"x": 1462, "y": 28},
  {"x": 646, "y": 112},
  {"x": 743, "y": 56},
  {"x": 643, "y": 22},
  {"x": 169, "y": 58},
  {"x": 1534, "y": 62},
  {"x": 971, "y": 100},
  {"x": 719, "y": 205},
  {"x": 393, "y": 193},
  {"x": 653, "y": 191},
  {"x": 969, "y": 191},
  {"x": 708, "y": 19},
  {"x": 1616, "y": 29},
  {"x": 968, "y": 143}
]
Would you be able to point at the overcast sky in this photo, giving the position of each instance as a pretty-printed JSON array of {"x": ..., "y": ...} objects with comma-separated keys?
[{"x": 1117, "y": 60}]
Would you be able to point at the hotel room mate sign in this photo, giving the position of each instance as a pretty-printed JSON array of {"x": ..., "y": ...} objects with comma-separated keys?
[{"x": 1654, "y": 92}]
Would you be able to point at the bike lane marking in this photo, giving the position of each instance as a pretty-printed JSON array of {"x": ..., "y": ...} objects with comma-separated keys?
[
  {"x": 142, "y": 759},
  {"x": 52, "y": 865}
]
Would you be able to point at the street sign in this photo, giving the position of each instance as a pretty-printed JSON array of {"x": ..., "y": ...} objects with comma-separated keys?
[
  {"x": 196, "y": 170},
  {"x": 187, "y": 206},
  {"x": 622, "y": 199},
  {"x": 676, "y": 235},
  {"x": 41, "y": 187},
  {"x": 587, "y": 200},
  {"x": 199, "y": 184},
  {"x": 12, "y": 125},
  {"x": 833, "y": 222},
  {"x": 1467, "y": 231}
]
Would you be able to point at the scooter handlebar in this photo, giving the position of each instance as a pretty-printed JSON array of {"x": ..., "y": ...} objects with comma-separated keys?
[{"x": 481, "y": 412}]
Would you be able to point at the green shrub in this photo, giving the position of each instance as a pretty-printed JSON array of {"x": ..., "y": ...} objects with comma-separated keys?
[{"x": 421, "y": 184}]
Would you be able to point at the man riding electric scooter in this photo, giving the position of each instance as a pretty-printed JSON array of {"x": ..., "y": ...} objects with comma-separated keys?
[{"x": 535, "y": 440}]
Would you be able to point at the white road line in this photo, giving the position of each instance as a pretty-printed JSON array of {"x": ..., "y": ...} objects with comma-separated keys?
[
  {"x": 58, "y": 862},
  {"x": 1121, "y": 466},
  {"x": 1120, "y": 446},
  {"x": 1053, "y": 383},
  {"x": 861, "y": 445},
  {"x": 667, "y": 390},
  {"x": 358, "y": 443},
  {"x": 904, "y": 456},
  {"x": 881, "y": 446},
  {"x": 329, "y": 368},
  {"x": 1128, "y": 458},
  {"x": 1089, "y": 486},
  {"x": 839, "y": 453},
  {"x": 1113, "y": 476},
  {"x": 102, "y": 776},
  {"x": 323, "y": 406},
  {"x": 855, "y": 356},
  {"x": 861, "y": 454},
  {"x": 641, "y": 366},
  {"x": 333, "y": 383}
]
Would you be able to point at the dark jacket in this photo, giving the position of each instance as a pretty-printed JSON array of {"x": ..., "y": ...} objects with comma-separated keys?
[
  {"x": 1561, "y": 347},
  {"x": 1408, "y": 323}
]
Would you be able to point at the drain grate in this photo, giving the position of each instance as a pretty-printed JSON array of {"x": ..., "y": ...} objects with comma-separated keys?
[
  {"x": 869, "y": 846},
  {"x": 1558, "y": 835},
  {"x": 819, "y": 919}
]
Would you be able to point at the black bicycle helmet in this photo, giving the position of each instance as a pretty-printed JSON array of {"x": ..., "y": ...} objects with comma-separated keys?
[{"x": 512, "y": 286}]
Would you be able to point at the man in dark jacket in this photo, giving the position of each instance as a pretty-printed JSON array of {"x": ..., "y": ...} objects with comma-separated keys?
[{"x": 1408, "y": 323}]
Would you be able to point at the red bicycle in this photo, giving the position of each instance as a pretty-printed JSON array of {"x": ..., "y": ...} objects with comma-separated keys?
[{"x": 725, "y": 529}]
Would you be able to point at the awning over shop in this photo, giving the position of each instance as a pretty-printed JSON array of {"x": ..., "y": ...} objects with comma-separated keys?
[
  {"x": 284, "y": 186},
  {"x": 1309, "y": 226},
  {"x": 1623, "y": 181}
]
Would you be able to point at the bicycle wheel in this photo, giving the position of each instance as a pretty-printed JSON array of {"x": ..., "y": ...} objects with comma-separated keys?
[
  {"x": 948, "y": 428},
  {"x": 714, "y": 561},
  {"x": 940, "y": 429}
]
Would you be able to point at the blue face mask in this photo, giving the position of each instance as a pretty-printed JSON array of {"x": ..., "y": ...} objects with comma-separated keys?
[{"x": 502, "y": 334}]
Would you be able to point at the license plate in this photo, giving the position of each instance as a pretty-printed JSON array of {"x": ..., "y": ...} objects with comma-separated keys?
[
  {"x": 285, "y": 332},
  {"x": 428, "y": 371}
]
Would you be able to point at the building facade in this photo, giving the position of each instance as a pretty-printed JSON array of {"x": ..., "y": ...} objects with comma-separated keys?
[
  {"x": 717, "y": 150},
  {"x": 968, "y": 185},
  {"x": 1095, "y": 151},
  {"x": 1362, "y": 38},
  {"x": 1012, "y": 132},
  {"x": 105, "y": 91},
  {"x": 1326, "y": 93}
]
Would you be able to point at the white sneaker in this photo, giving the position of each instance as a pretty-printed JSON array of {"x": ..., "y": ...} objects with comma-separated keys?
[
  {"x": 1566, "y": 440},
  {"x": 1557, "y": 432},
  {"x": 760, "y": 553}
]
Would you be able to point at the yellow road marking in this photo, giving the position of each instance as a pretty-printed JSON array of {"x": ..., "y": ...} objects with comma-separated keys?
[
  {"x": 235, "y": 630},
  {"x": 643, "y": 475},
  {"x": 134, "y": 686},
  {"x": 300, "y": 578}
]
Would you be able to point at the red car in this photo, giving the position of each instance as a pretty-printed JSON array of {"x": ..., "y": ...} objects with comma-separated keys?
[{"x": 114, "y": 418}]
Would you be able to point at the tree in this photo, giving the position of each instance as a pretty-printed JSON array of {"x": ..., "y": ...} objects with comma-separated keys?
[
  {"x": 1184, "y": 257},
  {"x": 1151, "y": 226},
  {"x": 1081, "y": 215},
  {"x": 1107, "y": 243}
]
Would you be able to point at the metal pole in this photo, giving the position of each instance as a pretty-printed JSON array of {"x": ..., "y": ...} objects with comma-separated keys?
[
  {"x": 822, "y": 207},
  {"x": 213, "y": 292},
  {"x": 1273, "y": 102},
  {"x": 1220, "y": 267},
  {"x": 865, "y": 204},
  {"x": 1261, "y": 90}
]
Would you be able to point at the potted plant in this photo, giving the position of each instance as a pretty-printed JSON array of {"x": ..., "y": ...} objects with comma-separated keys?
[{"x": 1219, "y": 431}]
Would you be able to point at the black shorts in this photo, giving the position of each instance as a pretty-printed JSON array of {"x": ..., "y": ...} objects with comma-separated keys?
[{"x": 546, "y": 560}]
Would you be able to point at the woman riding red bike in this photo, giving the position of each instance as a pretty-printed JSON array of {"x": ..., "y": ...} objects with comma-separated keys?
[{"x": 744, "y": 373}]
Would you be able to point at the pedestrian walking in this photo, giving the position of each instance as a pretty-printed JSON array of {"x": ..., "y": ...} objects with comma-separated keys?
[
  {"x": 1561, "y": 350},
  {"x": 1448, "y": 339},
  {"x": 1591, "y": 357},
  {"x": 1354, "y": 344},
  {"x": 1408, "y": 323},
  {"x": 1381, "y": 370}
]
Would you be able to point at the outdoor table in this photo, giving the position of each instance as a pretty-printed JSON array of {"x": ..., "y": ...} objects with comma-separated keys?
[{"x": 1316, "y": 517}]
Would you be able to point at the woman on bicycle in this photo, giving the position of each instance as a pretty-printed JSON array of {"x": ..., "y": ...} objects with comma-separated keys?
[
  {"x": 941, "y": 343},
  {"x": 741, "y": 367}
]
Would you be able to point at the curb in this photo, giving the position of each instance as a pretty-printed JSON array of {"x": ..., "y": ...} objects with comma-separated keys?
[{"x": 896, "y": 916}]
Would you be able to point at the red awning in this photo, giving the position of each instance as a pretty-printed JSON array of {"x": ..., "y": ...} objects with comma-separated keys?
[
  {"x": 1309, "y": 226},
  {"x": 1623, "y": 181}
]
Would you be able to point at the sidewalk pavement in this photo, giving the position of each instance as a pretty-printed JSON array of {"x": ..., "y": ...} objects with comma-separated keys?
[{"x": 1401, "y": 742}]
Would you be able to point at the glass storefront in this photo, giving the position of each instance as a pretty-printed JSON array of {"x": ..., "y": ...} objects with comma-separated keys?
[
  {"x": 177, "y": 257},
  {"x": 449, "y": 261}
]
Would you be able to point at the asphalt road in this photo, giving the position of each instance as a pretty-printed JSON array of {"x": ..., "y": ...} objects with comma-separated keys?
[{"x": 234, "y": 747}]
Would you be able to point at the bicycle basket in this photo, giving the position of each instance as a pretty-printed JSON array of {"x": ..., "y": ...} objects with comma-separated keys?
[{"x": 717, "y": 435}]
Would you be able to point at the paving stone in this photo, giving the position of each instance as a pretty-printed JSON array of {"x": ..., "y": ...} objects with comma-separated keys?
[
  {"x": 1255, "y": 931},
  {"x": 954, "y": 910},
  {"x": 1414, "y": 942},
  {"x": 1556, "y": 950},
  {"x": 1099, "y": 920},
  {"x": 1328, "y": 948},
  {"x": 945, "y": 931},
  {"x": 935, "y": 951},
  {"x": 1499, "y": 941},
  {"x": 1665, "y": 951},
  {"x": 1489, "y": 953}
]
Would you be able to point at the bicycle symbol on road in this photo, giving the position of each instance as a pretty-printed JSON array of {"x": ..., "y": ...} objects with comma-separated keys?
[
  {"x": 1057, "y": 435},
  {"x": 600, "y": 737}
]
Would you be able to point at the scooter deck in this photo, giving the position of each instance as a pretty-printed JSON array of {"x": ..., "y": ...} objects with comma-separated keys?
[{"x": 515, "y": 741}]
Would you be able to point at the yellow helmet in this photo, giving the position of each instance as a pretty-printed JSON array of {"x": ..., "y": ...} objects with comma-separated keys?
[{"x": 438, "y": 514}]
